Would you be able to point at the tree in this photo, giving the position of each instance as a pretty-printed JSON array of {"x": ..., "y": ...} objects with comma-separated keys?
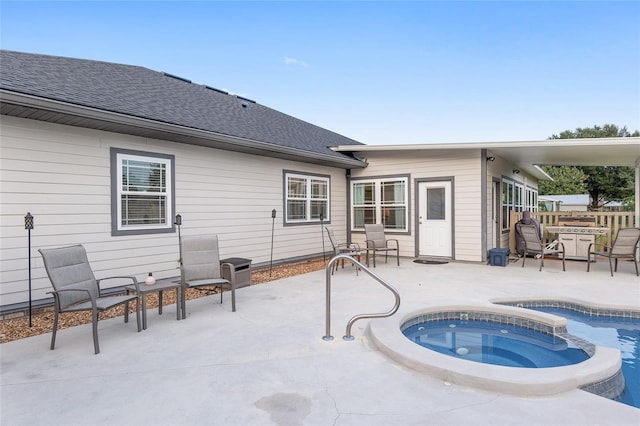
[
  {"x": 566, "y": 180},
  {"x": 604, "y": 184}
]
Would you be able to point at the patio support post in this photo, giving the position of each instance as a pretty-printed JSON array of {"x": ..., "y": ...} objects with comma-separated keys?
[{"x": 637, "y": 201}]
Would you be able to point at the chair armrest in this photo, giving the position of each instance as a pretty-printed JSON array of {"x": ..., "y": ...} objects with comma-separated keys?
[
  {"x": 56, "y": 296},
  {"x": 57, "y": 292},
  {"x": 393, "y": 240},
  {"x": 373, "y": 244},
  {"x": 134, "y": 281}
]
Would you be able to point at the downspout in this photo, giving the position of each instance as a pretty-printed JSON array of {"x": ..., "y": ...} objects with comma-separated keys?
[{"x": 483, "y": 205}]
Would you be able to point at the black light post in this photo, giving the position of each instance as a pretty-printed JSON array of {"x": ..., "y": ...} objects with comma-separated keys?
[
  {"x": 28, "y": 225},
  {"x": 273, "y": 222},
  {"x": 178, "y": 222},
  {"x": 324, "y": 258}
]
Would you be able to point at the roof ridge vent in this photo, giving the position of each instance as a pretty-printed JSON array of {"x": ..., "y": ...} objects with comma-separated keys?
[
  {"x": 215, "y": 90},
  {"x": 166, "y": 74},
  {"x": 245, "y": 99}
]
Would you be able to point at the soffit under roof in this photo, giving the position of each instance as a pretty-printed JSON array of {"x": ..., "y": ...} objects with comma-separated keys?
[{"x": 527, "y": 155}]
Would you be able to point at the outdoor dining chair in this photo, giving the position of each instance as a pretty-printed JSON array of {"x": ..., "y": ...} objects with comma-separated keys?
[
  {"x": 533, "y": 245},
  {"x": 200, "y": 267},
  {"x": 625, "y": 246},
  {"x": 378, "y": 242},
  {"x": 351, "y": 249},
  {"x": 75, "y": 288}
]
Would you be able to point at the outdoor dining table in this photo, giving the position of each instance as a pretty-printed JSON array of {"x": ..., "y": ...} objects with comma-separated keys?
[{"x": 159, "y": 286}]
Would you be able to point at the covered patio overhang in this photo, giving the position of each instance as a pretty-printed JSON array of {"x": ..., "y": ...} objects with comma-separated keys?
[{"x": 528, "y": 156}]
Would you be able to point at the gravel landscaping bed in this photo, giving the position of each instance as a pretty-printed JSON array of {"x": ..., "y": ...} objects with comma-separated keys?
[{"x": 18, "y": 328}]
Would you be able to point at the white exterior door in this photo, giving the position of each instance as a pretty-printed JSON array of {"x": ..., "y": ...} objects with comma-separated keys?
[{"x": 434, "y": 219}]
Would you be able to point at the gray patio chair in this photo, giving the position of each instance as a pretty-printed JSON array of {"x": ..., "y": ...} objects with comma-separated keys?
[
  {"x": 378, "y": 242},
  {"x": 351, "y": 249},
  {"x": 533, "y": 245},
  {"x": 625, "y": 246},
  {"x": 200, "y": 267},
  {"x": 75, "y": 288}
]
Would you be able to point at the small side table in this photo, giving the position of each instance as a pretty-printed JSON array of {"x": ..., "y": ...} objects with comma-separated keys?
[{"x": 159, "y": 286}]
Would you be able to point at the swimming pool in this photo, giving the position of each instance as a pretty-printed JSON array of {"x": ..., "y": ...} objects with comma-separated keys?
[
  {"x": 495, "y": 343},
  {"x": 611, "y": 331}
]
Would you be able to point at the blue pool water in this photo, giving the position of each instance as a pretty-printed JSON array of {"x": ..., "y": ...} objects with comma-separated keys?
[
  {"x": 613, "y": 332},
  {"x": 494, "y": 343}
]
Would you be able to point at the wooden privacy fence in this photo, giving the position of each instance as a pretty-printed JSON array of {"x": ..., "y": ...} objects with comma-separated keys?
[{"x": 611, "y": 220}]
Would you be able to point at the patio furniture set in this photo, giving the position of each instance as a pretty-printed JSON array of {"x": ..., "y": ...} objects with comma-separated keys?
[
  {"x": 376, "y": 242},
  {"x": 75, "y": 287},
  {"x": 625, "y": 246}
]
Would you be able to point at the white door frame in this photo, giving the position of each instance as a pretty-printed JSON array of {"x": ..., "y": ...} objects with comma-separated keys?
[{"x": 419, "y": 188}]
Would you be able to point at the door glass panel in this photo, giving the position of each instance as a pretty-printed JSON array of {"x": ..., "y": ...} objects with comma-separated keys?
[{"x": 435, "y": 204}]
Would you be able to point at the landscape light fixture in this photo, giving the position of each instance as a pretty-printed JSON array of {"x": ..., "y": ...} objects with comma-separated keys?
[
  {"x": 273, "y": 221},
  {"x": 28, "y": 225}
]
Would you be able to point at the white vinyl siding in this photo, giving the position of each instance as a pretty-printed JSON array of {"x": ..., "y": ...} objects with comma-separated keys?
[
  {"x": 462, "y": 167},
  {"x": 62, "y": 175}
]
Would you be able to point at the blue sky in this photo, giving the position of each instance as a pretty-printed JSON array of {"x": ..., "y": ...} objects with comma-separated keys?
[{"x": 379, "y": 72}]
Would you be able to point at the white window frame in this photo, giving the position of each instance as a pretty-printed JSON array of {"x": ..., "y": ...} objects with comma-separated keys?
[
  {"x": 518, "y": 197},
  {"x": 532, "y": 199},
  {"x": 308, "y": 198},
  {"x": 508, "y": 186},
  {"x": 378, "y": 207},
  {"x": 118, "y": 157}
]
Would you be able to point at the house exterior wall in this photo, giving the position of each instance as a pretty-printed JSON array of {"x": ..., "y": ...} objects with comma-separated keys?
[
  {"x": 464, "y": 167},
  {"x": 61, "y": 175},
  {"x": 500, "y": 169}
]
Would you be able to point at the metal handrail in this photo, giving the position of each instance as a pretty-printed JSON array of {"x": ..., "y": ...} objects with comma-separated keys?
[{"x": 357, "y": 264}]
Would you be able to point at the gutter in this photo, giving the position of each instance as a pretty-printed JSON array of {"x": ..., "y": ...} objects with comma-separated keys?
[{"x": 183, "y": 134}]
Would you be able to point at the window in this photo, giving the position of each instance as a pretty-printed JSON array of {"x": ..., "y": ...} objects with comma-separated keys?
[
  {"x": 142, "y": 192},
  {"x": 307, "y": 198},
  {"x": 436, "y": 204},
  {"x": 517, "y": 198},
  {"x": 532, "y": 199},
  {"x": 380, "y": 201},
  {"x": 507, "y": 202}
]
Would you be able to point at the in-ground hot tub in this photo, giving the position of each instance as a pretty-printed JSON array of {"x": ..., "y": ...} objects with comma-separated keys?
[
  {"x": 601, "y": 365},
  {"x": 495, "y": 343}
]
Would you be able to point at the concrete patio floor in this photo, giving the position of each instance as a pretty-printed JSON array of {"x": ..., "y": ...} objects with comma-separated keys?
[{"x": 267, "y": 363}]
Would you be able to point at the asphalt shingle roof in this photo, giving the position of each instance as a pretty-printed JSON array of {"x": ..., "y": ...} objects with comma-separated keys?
[{"x": 140, "y": 92}]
